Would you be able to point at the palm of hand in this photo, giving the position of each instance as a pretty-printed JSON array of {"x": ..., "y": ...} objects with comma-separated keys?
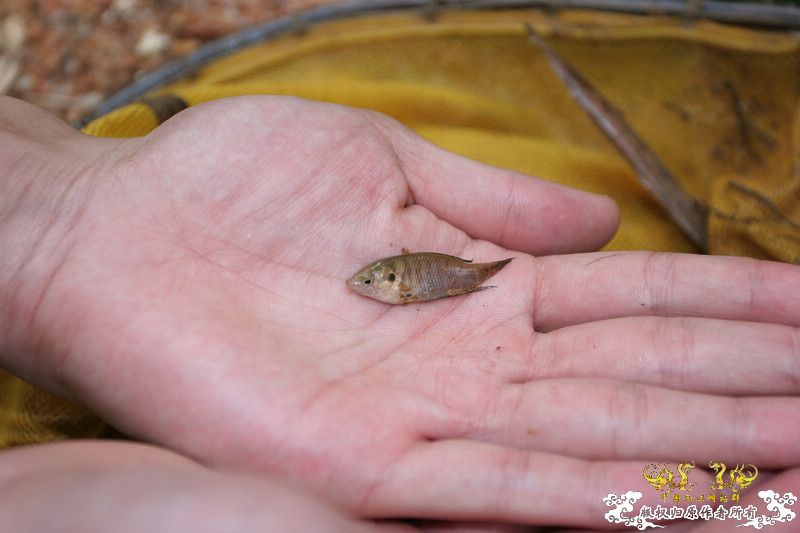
[{"x": 213, "y": 316}]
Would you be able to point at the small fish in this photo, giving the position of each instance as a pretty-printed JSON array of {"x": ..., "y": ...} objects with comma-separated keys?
[{"x": 417, "y": 277}]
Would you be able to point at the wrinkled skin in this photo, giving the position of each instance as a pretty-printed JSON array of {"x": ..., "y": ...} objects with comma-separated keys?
[{"x": 193, "y": 295}]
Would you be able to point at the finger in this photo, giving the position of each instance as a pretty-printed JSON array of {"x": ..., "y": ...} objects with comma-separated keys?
[
  {"x": 606, "y": 419},
  {"x": 677, "y": 352},
  {"x": 785, "y": 482},
  {"x": 484, "y": 482},
  {"x": 588, "y": 287},
  {"x": 508, "y": 208},
  {"x": 439, "y": 526}
]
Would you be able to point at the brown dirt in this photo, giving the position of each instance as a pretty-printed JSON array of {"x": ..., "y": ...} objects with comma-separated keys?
[{"x": 68, "y": 55}]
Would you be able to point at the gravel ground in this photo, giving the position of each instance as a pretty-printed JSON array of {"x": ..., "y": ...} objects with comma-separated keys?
[{"x": 68, "y": 55}]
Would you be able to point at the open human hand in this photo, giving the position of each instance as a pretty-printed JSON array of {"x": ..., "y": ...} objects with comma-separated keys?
[{"x": 193, "y": 294}]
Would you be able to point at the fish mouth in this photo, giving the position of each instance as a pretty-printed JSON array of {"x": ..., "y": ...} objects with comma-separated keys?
[{"x": 354, "y": 282}]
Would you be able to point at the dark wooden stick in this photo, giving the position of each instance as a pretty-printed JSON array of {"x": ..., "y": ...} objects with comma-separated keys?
[{"x": 688, "y": 213}]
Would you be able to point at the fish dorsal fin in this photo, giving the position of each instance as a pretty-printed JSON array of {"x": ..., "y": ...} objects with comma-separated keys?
[{"x": 466, "y": 260}]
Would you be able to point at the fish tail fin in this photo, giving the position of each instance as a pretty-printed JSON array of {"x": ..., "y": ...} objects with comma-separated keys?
[
  {"x": 487, "y": 270},
  {"x": 457, "y": 292},
  {"x": 500, "y": 264},
  {"x": 495, "y": 267}
]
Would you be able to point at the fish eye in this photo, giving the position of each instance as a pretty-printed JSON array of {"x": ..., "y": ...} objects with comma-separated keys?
[
  {"x": 391, "y": 276},
  {"x": 367, "y": 281}
]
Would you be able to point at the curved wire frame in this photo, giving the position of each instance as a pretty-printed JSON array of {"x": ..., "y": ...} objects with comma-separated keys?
[{"x": 774, "y": 16}]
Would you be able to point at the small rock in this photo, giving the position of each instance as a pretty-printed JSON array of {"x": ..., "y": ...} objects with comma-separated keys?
[
  {"x": 55, "y": 100},
  {"x": 9, "y": 68},
  {"x": 71, "y": 66},
  {"x": 87, "y": 101},
  {"x": 24, "y": 83},
  {"x": 12, "y": 34},
  {"x": 125, "y": 8},
  {"x": 152, "y": 42},
  {"x": 109, "y": 17},
  {"x": 181, "y": 47}
]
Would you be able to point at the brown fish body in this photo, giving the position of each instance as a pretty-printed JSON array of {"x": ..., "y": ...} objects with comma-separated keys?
[{"x": 418, "y": 277}]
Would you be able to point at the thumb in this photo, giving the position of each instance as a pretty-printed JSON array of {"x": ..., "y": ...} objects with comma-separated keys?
[{"x": 508, "y": 208}]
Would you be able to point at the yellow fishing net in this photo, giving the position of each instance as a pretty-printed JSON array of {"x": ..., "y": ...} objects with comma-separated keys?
[{"x": 718, "y": 104}]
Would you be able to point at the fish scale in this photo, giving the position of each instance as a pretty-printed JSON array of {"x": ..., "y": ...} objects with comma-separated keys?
[{"x": 422, "y": 276}]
